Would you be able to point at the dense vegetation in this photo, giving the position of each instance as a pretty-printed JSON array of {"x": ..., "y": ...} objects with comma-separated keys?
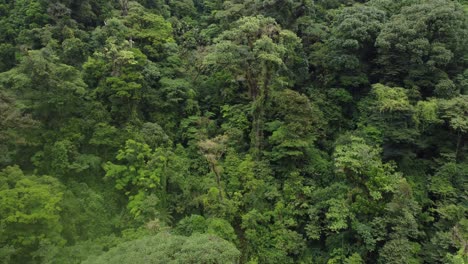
[{"x": 241, "y": 131}]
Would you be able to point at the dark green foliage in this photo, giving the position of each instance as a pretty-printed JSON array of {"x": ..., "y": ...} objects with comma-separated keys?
[
  {"x": 419, "y": 46},
  {"x": 237, "y": 131},
  {"x": 14, "y": 127}
]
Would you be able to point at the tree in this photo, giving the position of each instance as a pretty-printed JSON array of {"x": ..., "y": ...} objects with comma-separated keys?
[
  {"x": 148, "y": 31},
  {"x": 198, "y": 224},
  {"x": 417, "y": 47},
  {"x": 213, "y": 150},
  {"x": 455, "y": 112},
  {"x": 167, "y": 248},
  {"x": 297, "y": 123},
  {"x": 13, "y": 125},
  {"x": 351, "y": 45},
  {"x": 52, "y": 91},
  {"x": 89, "y": 13},
  {"x": 401, "y": 219},
  {"x": 360, "y": 163},
  {"x": 117, "y": 72},
  {"x": 257, "y": 52},
  {"x": 86, "y": 213},
  {"x": 139, "y": 175},
  {"x": 300, "y": 131},
  {"x": 399, "y": 251},
  {"x": 29, "y": 215},
  {"x": 146, "y": 176},
  {"x": 390, "y": 111}
]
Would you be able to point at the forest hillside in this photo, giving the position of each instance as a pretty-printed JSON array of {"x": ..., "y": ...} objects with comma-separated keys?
[{"x": 238, "y": 131}]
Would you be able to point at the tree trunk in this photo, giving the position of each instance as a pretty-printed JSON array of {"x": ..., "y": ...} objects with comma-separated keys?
[
  {"x": 218, "y": 181},
  {"x": 261, "y": 96},
  {"x": 124, "y": 6}
]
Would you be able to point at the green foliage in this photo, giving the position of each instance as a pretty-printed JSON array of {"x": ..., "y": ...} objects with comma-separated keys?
[
  {"x": 389, "y": 109},
  {"x": 391, "y": 99},
  {"x": 297, "y": 124},
  {"x": 167, "y": 248},
  {"x": 149, "y": 31},
  {"x": 198, "y": 224},
  {"x": 30, "y": 215},
  {"x": 399, "y": 251},
  {"x": 191, "y": 225},
  {"x": 120, "y": 82},
  {"x": 300, "y": 131},
  {"x": 12, "y": 128},
  {"x": 257, "y": 51},
  {"x": 143, "y": 171},
  {"x": 86, "y": 213},
  {"x": 52, "y": 91},
  {"x": 363, "y": 167},
  {"x": 455, "y": 112},
  {"x": 352, "y": 43},
  {"x": 426, "y": 113},
  {"x": 410, "y": 45}
]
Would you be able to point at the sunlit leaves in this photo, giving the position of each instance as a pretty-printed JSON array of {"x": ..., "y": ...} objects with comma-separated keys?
[
  {"x": 426, "y": 113},
  {"x": 362, "y": 165},
  {"x": 139, "y": 170},
  {"x": 455, "y": 111},
  {"x": 391, "y": 99},
  {"x": 29, "y": 213},
  {"x": 167, "y": 248}
]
